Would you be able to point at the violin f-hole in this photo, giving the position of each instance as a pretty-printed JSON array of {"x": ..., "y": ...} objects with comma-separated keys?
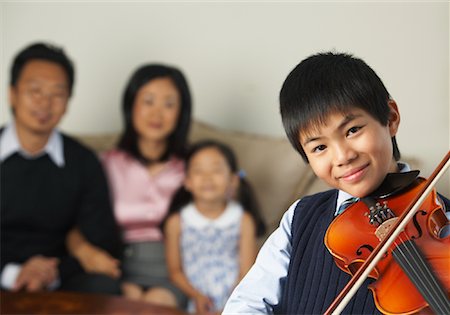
[{"x": 417, "y": 225}]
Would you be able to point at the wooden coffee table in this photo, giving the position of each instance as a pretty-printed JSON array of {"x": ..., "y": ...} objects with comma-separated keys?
[{"x": 76, "y": 303}]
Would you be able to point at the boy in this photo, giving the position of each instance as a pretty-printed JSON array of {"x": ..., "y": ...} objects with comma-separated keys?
[
  {"x": 49, "y": 183},
  {"x": 340, "y": 118}
]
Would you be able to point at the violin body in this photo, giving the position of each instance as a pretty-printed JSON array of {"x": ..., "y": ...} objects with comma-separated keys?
[{"x": 351, "y": 238}]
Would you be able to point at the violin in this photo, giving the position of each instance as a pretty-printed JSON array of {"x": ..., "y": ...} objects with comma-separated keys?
[{"x": 394, "y": 236}]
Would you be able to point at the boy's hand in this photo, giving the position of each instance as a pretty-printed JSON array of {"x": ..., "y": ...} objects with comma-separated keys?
[
  {"x": 96, "y": 260},
  {"x": 37, "y": 274},
  {"x": 203, "y": 304}
]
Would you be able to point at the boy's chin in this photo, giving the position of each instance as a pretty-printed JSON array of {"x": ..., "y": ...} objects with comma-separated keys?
[{"x": 359, "y": 191}]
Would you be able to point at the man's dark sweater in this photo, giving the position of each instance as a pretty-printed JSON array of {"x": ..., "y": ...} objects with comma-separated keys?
[{"x": 40, "y": 202}]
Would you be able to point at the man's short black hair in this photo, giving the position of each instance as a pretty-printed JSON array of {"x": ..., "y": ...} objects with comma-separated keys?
[{"x": 42, "y": 51}]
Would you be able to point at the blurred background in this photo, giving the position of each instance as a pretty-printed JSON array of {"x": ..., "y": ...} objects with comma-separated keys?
[{"x": 237, "y": 54}]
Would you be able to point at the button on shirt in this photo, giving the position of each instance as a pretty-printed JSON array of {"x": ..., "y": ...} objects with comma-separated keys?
[{"x": 260, "y": 289}]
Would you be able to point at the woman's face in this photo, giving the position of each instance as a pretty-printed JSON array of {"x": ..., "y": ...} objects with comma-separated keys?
[{"x": 156, "y": 109}]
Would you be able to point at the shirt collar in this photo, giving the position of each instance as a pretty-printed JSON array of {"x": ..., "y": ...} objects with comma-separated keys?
[
  {"x": 9, "y": 144},
  {"x": 343, "y": 196}
]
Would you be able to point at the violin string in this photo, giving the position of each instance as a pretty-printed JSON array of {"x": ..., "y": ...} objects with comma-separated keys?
[
  {"x": 423, "y": 279},
  {"x": 422, "y": 276},
  {"x": 436, "y": 287},
  {"x": 418, "y": 279},
  {"x": 432, "y": 278}
]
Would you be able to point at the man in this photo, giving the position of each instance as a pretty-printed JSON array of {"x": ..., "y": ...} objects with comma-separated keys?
[{"x": 50, "y": 184}]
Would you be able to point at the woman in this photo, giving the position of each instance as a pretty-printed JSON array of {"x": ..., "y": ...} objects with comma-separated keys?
[{"x": 144, "y": 171}]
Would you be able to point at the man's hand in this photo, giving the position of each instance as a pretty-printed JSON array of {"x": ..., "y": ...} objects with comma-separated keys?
[{"x": 37, "y": 274}]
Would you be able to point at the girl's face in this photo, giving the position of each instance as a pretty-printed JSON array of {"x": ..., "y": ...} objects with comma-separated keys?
[
  {"x": 209, "y": 177},
  {"x": 156, "y": 109},
  {"x": 352, "y": 152}
]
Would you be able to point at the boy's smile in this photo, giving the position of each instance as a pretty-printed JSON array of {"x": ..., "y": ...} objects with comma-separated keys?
[{"x": 352, "y": 151}]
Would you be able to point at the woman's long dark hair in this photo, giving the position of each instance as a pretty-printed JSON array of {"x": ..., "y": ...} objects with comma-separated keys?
[
  {"x": 245, "y": 195},
  {"x": 177, "y": 141}
]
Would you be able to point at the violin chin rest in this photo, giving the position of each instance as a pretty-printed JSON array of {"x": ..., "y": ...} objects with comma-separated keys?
[{"x": 393, "y": 183}]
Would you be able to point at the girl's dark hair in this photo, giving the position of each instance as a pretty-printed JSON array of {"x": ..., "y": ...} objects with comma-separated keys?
[
  {"x": 245, "y": 195},
  {"x": 331, "y": 82},
  {"x": 177, "y": 141},
  {"x": 42, "y": 51}
]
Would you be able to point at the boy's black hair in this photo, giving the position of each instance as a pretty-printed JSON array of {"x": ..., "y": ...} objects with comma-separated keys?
[
  {"x": 331, "y": 82},
  {"x": 42, "y": 51},
  {"x": 245, "y": 195},
  {"x": 177, "y": 141}
]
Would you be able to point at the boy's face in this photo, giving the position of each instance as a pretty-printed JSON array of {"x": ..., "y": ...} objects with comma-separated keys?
[{"x": 352, "y": 152}]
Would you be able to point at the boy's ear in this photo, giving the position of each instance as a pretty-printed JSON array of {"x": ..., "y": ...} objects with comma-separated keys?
[{"x": 394, "y": 118}]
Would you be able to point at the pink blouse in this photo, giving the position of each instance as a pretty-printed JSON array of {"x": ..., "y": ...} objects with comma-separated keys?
[{"x": 141, "y": 200}]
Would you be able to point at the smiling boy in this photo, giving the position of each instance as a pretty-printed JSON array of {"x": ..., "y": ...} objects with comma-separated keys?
[{"x": 341, "y": 119}]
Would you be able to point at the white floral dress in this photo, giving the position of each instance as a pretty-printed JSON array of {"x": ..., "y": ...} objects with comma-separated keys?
[{"x": 210, "y": 251}]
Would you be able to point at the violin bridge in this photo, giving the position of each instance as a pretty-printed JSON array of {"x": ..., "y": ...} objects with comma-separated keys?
[{"x": 384, "y": 228}]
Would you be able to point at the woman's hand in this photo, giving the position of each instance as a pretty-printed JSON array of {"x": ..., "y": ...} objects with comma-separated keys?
[
  {"x": 96, "y": 260},
  {"x": 92, "y": 258}
]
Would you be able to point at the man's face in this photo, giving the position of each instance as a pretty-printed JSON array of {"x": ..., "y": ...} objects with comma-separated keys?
[{"x": 39, "y": 98}]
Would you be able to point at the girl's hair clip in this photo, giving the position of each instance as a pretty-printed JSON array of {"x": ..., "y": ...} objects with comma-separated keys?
[{"x": 242, "y": 173}]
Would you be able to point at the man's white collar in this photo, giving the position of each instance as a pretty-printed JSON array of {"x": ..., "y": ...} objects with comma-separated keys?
[{"x": 9, "y": 144}]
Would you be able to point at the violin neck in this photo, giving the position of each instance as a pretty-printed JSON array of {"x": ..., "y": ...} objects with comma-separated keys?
[{"x": 416, "y": 267}]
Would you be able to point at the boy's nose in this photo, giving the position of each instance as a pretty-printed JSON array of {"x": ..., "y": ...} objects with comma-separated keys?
[{"x": 344, "y": 154}]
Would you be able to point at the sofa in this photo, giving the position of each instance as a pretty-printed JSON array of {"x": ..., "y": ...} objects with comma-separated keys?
[{"x": 275, "y": 170}]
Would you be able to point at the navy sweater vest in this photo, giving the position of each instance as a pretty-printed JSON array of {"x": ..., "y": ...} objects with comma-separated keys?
[{"x": 313, "y": 279}]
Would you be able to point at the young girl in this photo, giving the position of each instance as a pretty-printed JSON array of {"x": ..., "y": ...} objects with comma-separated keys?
[{"x": 211, "y": 238}]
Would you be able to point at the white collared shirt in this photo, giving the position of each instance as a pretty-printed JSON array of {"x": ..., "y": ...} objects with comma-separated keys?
[{"x": 10, "y": 144}]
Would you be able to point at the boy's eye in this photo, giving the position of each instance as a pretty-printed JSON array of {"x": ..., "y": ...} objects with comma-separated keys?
[
  {"x": 353, "y": 130},
  {"x": 319, "y": 148}
]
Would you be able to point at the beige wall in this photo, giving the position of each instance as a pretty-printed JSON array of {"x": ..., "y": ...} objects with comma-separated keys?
[{"x": 236, "y": 56}]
